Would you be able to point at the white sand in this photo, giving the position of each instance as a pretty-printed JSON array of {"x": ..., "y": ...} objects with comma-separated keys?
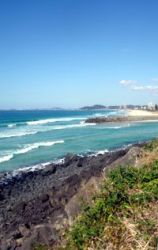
[{"x": 140, "y": 113}]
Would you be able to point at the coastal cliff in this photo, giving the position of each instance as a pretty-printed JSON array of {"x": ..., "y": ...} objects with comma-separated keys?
[
  {"x": 37, "y": 207},
  {"x": 124, "y": 212}
]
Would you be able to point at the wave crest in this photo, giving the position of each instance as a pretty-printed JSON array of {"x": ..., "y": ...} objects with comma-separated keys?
[
  {"x": 52, "y": 120},
  {"x": 11, "y": 125},
  {"x": 36, "y": 146},
  {"x": 28, "y": 148},
  {"x": 6, "y": 158},
  {"x": 17, "y": 134}
]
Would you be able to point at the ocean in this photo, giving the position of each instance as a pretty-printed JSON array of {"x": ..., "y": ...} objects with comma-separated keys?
[{"x": 37, "y": 137}]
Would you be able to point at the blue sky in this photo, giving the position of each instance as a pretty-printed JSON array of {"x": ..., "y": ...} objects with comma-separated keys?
[{"x": 72, "y": 53}]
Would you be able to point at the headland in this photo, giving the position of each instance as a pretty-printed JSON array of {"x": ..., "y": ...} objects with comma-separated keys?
[
  {"x": 36, "y": 207},
  {"x": 129, "y": 116}
]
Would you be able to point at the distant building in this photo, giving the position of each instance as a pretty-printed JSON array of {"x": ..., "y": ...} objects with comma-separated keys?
[
  {"x": 151, "y": 106},
  {"x": 144, "y": 107}
]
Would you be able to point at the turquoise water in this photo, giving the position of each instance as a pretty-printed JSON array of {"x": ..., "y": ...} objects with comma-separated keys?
[{"x": 28, "y": 138}]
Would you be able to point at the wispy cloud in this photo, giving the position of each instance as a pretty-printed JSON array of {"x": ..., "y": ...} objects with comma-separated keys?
[
  {"x": 134, "y": 85},
  {"x": 128, "y": 82}
]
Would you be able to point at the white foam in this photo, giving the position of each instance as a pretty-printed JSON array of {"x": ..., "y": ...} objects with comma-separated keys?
[
  {"x": 28, "y": 148},
  {"x": 80, "y": 125},
  {"x": 37, "y": 167},
  {"x": 59, "y": 161},
  {"x": 119, "y": 127},
  {"x": 17, "y": 134},
  {"x": 11, "y": 125},
  {"x": 33, "y": 131},
  {"x": 100, "y": 152},
  {"x": 52, "y": 120},
  {"x": 30, "y": 168},
  {"x": 115, "y": 127},
  {"x": 6, "y": 158},
  {"x": 36, "y": 146}
]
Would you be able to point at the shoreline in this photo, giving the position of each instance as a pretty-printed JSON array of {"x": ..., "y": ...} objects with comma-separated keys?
[
  {"x": 141, "y": 113},
  {"x": 34, "y": 201},
  {"x": 8, "y": 174},
  {"x": 130, "y": 116}
]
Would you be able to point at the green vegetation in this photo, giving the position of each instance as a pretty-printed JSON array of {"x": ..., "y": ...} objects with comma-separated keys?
[
  {"x": 151, "y": 145},
  {"x": 40, "y": 247},
  {"x": 123, "y": 215}
]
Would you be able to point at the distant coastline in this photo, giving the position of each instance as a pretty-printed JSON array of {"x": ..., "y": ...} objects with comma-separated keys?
[
  {"x": 86, "y": 107},
  {"x": 130, "y": 116}
]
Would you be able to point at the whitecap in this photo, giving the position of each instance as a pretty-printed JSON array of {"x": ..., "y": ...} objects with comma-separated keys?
[
  {"x": 17, "y": 134},
  {"x": 6, "y": 158},
  {"x": 52, "y": 120},
  {"x": 100, "y": 152},
  {"x": 80, "y": 125},
  {"x": 37, "y": 145},
  {"x": 28, "y": 148},
  {"x": 30, "y": 168},
  {"x": 38, "y": 166},
  {"x": 11, "y": 125},
  {"x": 119, "y": 127}
]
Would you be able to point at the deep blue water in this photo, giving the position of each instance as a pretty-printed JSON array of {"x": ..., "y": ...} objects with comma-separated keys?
[{"x": 28, "y": 138}]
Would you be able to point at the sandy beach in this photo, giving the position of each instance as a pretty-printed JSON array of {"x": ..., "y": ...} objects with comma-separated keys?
[
  {"x": 131, "y": 115},
  {"x": 141, "y": 113}
]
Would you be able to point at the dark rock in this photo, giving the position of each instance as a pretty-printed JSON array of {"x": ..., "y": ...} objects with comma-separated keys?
[
  {"x": 118, "y": 119},
  {"x": 107, "y": 119},
  {"x": 51, "y": 169},
  {"x": 17, "y": 235},
  {"x": 1, "y": 197},
  {"x": 32, "y": 205},
  {"x": 80, "y": 163},
  {"x": 45, "y": 197},
  {"x": 70, "y": 158}
]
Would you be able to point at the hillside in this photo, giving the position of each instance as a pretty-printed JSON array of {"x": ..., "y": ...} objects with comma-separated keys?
[
  {"x": 124, "y": 213},
  {"x": 105, "y": 201},
  {"x": 97, "y": 106}
]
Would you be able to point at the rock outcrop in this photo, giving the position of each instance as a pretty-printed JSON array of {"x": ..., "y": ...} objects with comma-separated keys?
[
  {"x": 36, "y": 207},
  {"x": 120, "y": 119}
]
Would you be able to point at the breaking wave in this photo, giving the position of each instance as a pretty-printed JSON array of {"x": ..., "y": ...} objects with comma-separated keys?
[
  {"x": 80, "y": 125},
  {"x": 11, "y": 125},
  {"x": 36, "y": 146},
  {"x": 28, "y": 148},
  {"x": 52, "y": 120},
  {"x": 17, "y": 133},
  {"x": 6, "y": 158}
]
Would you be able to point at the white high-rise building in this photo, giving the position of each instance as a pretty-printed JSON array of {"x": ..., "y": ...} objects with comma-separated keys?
[{"x": 151, "y": 106}]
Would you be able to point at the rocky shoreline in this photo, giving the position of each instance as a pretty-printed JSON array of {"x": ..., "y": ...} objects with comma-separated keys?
[
  {"x": 36, "y": 207},
  {"x": 115, "y": 119}
]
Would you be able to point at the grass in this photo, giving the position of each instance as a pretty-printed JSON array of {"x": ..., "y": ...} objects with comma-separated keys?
[
  {"x": 40, "y": 247},
  {"x": 123, "y": 214},
  {"x": 151, "y": 145}
]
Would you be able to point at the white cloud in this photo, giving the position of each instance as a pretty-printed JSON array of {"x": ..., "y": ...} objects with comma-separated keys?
[
  {"x": 127, "y": 82},
  {"x": 133, "y": 85}
]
